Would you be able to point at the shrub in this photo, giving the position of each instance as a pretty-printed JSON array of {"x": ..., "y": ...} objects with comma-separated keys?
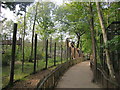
[{"x": 6, "y": 57}]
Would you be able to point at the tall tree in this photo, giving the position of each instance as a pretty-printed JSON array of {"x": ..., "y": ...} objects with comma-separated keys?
[
  {"x": 13, "y": 55},
  {"x": 73, "y": 19},
  {"x": 23, "y": 38},
  {"x": 33, "y": 30},
  {"x": 109, "y": 64},
  {"x": 45, "y": 20},
  {"x": 93, "y": 39}
]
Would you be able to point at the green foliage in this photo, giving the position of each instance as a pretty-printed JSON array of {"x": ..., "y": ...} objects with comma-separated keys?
[
  {"x": 114, "y": 43},
  {"x": 6, "y": 58},
  {"x": 44, "y": 18},
  {"x": 40, "y": 54},
  {"x": 28, "y": 68},
  {"x": 72, "y": 18},
  {"x": 86, "y": 43},
  {"x": 27, "y": 53}
]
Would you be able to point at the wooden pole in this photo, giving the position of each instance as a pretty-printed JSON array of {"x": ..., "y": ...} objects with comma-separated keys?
[
  {"x": 55, "y": 55},
  {"x": 13, "y": 54},
  {"x": 65, "y": 54},
  {"x": 101, "y": 50},
  {"x": 35, "y": 53},
  {"x": 61, "y": 53},
  {"x": 46, "y": 55},
  {"x": 51, "y": 46},
  {"x": 67, "y": 50},
  {"x": 23, "y": 53},
  {"x": 74, "y": 52},
  {"x": 70, "y": 53}
]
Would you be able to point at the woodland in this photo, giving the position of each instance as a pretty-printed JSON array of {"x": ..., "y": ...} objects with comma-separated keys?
[{"x": 94, "y": 27}]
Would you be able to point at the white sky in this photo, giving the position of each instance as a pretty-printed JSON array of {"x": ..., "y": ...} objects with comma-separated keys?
[
  {"x": 7, "y": 13},
  {"x": 10, "y": 16}
]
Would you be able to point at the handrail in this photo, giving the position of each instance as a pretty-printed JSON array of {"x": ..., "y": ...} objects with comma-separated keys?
[
  {"x": 48, "y": 76},
  {"x": 106, "y": 77},
  {"x": 52, "y": 76}
]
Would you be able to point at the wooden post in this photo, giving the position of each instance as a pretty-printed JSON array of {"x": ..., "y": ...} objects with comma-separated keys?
[
  {"x": 74, "y": 52},
  {"x": 13, "y": 54},
  {"x": 46, "y": 55},
  {"x": 61, "y": 53},
  {"x": 51, "y": 46},
  {"x": 67, "y": 52},
  {"x": 64, "y": 54},
  {"x": 101, "y": 50},
  {"x": 70, "y": 53},
  {"x": 23, "y": 55},
  {"x": 23, "y": 51},
  {"x": 35, "y": 53},
  {"x": 55, "y": 55}
]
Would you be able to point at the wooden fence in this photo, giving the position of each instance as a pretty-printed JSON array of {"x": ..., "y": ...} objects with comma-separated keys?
[
  {"x": 63, "y": 53},
  {"x": 51, "y": 80},
  {"x": 9, "y": 42},
  {"x": 103, "y": 79}
]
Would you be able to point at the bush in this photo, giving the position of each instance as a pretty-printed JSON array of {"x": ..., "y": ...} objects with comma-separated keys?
[
  {"x": 18, "y": 54},
  {"x": 40, "y": 55},
  {"x": 6, "y": 57}
]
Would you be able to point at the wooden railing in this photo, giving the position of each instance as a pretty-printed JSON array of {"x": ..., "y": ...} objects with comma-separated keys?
[
  {"x": 103, "y": 79},
  {"x": 51, "y": 80}
]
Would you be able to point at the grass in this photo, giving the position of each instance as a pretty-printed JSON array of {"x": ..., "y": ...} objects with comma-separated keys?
[{"x": 28, "y": 68}]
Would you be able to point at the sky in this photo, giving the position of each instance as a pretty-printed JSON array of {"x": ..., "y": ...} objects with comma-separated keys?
[{"x": 10, "y": 16}]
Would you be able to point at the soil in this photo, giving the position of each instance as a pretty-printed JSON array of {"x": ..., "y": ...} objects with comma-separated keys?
[{"x": 30, "y": 81}]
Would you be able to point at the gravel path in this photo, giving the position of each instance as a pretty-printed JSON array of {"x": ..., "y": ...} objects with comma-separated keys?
[{"x": 78, "y": 76}]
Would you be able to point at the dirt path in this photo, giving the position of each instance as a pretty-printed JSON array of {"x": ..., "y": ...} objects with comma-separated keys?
[{"x": 78, "y": 76}]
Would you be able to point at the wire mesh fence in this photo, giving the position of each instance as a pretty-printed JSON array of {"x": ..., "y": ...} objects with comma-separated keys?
[{"x": 46, "y": 53}]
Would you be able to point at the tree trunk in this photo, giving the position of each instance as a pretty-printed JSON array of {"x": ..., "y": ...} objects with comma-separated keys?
[
  {"x": 23, "y": 41},
  {"x": 55, "y": 54},
  {"x": 109, "y": 64},
  {"x": 35, "y": 53},
  {"x": 30, "y": 60},
  {"x": 50, "y": 46},
  {"x": 93, "y": 41},
  {"x": 12, "y": 66},
  {"x": 78, "y": 42},
  {"x": 81, "y": 45},
  {"x": 46, "y": 54}
]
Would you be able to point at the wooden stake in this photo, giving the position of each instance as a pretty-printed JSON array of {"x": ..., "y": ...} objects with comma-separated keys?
[
  {"x": 35, "y": 53},
  {"x": 13, "y": 54}
]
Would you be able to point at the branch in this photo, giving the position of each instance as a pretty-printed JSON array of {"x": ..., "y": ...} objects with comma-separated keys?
[
  {"x": 77, "y": 33},
  {"x": 3, "y": 20},
  {"x": 82, "y": 33},
  {"x": 65, "y": 22}
]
